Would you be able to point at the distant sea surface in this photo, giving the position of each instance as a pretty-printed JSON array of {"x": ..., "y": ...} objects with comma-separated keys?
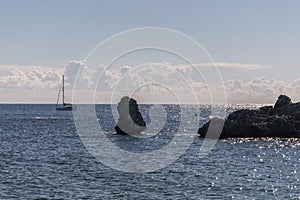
[{"x": 42, "y": 156}]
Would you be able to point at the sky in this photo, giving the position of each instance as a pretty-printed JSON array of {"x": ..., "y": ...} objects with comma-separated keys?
[{"x": 255, "y": 45}]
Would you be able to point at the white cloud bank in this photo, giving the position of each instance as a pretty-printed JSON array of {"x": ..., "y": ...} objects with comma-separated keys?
[
  {"x": 37, "y": 84},
  {"x": 35, "y": 79},
  {"x": 260, "y": 90},
  {"x": 236, "y": 66}
]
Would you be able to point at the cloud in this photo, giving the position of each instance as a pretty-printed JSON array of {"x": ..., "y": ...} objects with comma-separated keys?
[
  {"x": 30, "y": 78},
  {"x": 166, "y": 71},
  {"x": 260, "y": 90},
  {"x": 294, "y": 88},
  {"x": 85, "y": 75},
  {"x": 224, "y": 65},
  {"x": 154, "y": 82}
]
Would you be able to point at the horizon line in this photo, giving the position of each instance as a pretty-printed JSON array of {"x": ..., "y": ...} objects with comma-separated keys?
[{"x": 106, "y": 103}]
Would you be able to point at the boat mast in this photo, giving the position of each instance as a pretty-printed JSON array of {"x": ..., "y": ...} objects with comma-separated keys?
[
  {"x": 58, "y": 96},
  {"x": 63, "y": 90}
]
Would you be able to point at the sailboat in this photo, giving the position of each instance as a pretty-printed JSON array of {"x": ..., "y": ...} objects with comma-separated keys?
[{"x": 64, "y": 106}]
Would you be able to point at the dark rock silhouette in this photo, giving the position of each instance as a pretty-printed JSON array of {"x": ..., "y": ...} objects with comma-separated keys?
[
  {"x": 282, "y": 101},
  {"x": 130, "y": 120},
  {"x": 282, "y": 120}
]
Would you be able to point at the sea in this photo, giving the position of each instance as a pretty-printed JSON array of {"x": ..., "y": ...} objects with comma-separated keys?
[{"x": 42, "y": 156}]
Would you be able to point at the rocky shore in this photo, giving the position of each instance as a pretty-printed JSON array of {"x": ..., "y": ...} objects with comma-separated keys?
[{"x": 280, "y": 120}]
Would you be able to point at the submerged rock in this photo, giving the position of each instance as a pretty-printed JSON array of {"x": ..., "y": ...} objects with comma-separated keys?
[
  {"x": 130, "y": 120},
  {"x": 282, "y": 120}
]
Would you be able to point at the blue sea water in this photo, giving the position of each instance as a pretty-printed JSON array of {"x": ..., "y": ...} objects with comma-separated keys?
[{"x": 42, "y": 156}]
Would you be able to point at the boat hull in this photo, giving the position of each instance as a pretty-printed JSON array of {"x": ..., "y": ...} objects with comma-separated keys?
[{"x": 69, "y": 108}]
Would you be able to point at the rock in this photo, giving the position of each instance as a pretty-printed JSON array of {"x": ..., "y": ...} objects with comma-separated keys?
[
  {"x": 281, "y": 121},
  {"x": 130, "y": 120},
  {"x": 282, "y": 101},
  {"x": 265, "y": 110}
]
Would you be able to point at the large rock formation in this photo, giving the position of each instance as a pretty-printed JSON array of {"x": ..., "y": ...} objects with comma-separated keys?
[
  {"x": 130, "y": 120},
  {"x": 282, "y": 120}
]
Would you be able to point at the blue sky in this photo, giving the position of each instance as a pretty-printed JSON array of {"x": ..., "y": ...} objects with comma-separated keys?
[{"x": 53, "y": 33}]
